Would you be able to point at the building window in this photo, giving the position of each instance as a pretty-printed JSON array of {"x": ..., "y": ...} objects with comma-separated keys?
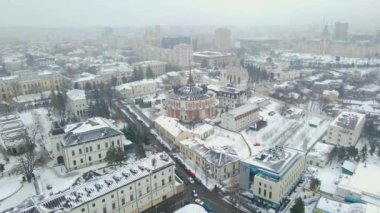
[
  {"x": 123, "y": 201},
  {"x": 154, "y": 177},
  {"x": 259, "y": 191},
  {"x": 100, "y": 155},
  {"x": 86, "y": 149},
  {"x": 104, "y": 200},
  {"x": 122, "y": 191},
  {"x": 89, "y": 158},
  {"x": 113, "y": 206},
  {"x": 118, "y": 142},
  {"x": 81, "y": 160},
  {"x": 147, "y": 189},
  {"x": 104, "y": 209},
  {"x": 106, "y": 144},
  {"x": 155, "y": 185},
  {"x": 270, "y": 195},
  {"x": 140, "y": 193},
  {"x": 83, "y": 209},
  {"x": 131, "y": 197},
  {"x": 112, "y": 196},
  {"x": 80, "y": 151},
  {"x": 93, "y": 205},
  {"x": 73, "y": 153},
  {"x": 98, "y": 146},
  {"x": 163, "y": 182},
  {"x": 170, "y": 179},
  {"x": 113, "y": 143},
  {"x": 130, "y": 187},
  {"x": 90, "y": 148},
  {"x": 265, "y": 192},
  {"x": 74, "y": 162}
]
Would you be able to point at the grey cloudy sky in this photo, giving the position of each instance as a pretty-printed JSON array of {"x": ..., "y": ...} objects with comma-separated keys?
[{"x": 360, "y": 13}]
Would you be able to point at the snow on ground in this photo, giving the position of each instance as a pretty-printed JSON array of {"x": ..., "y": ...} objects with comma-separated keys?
[
  {"x": 9, "y": 185},
  {"x": 329, "y": 175},
  {"x": 26, "y": 190},
  {"x": 58, "y": 182},
  {"x": 191, "y": 208}
]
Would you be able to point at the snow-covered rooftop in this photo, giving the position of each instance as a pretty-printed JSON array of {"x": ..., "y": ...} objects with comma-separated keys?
[
  {"x": 88, "y": 191},
  {"x": 277, "y": 160},
  {"x": 320, "y": 151},
  {"x": 246, "y": 108},
  {"x": 348, "y": 120},
  {"x": 135, "y": 83},
  {"x": 93, "y": 129},
  {"x": 76, "y": 94},
  {"x": 191, "y": 208}
]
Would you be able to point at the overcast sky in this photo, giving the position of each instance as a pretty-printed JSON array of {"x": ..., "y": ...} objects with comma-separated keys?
[{"x": 77, "y": 13}]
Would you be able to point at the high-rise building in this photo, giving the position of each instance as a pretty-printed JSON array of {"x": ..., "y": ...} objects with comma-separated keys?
[
  {"x": 341, "y": 31},
  {"x": 183, "y": 54},
  {"x": 324, "y": 41},
  {"x": 222, "y": 38}
]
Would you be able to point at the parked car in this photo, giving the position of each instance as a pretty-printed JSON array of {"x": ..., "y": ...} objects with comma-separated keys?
[
  {"x": 195, "y": 195},
  {"x": 271, "y": 113},
  {"x": 191, "y": 180},
  {"x": 199, "y": 201}
]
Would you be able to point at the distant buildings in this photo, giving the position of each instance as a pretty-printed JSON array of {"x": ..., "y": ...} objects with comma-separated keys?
[
  {"x": 241, "y": 117},
  {"x": 77, "y": 103},
  {"x": 346, "y": 128},
  {"x": 183, "y": 54},
  {"x": 157, "y": 67},
  {"x": 236, "y": 76},
  {"x": 170, "y": 42},
  {"x": 190, "y": 102},
  {"x": 28, "y": 82},
  {"x": 132, "y": 188},
  {"x": 271, "y": 175},
  {"x": 86, "y": 143},
  {"x": 137, "y": 89},
  {"x": 327, "y": 205},
  {"x": 222, "y": 39},
  {"x": 341, "y": 31},
  {"x": 212, "y": 58}
]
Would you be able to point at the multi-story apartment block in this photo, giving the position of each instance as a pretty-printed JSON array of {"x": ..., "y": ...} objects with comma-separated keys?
[
  {"x": 241, "y": 117},
  {"x": 183, "y": 54},
  {"x": 230, "y": 97},
  {"x": 216, "y": 163},
  {"x": 130, "y": 189},
  {"x": 217, "y": 59},
  {"x": 77, "y": 102},
  {"x": 84, "y": 79},
  {"x": 345, "y": 129},
  {"x": 25, "y": 83},
  {"x": 157, "y": 67},
  {"x": 222, "y": 38},
  {"x": 271, "y": 174},
  {"x": 86, "y": 143},
  {"x": 137, "y": 89}
]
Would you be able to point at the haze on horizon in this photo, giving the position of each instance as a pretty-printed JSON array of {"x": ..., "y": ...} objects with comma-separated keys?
[{"x": 360, "y": 14}]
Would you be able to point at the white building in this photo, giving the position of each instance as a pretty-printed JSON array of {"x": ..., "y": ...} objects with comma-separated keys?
[
  {"x": 361, "y": 184},
  {"x": 157, "y": 67},
  {"x": 183, "y": 54},
  {"x": 230, "y": 97},
  {"x": 137, "y": 89},
  {"x": 345, "y": 129},
  {"x": 270, "y": 175},
  {"x": 86, "y": 143},
  {"x": 77, "y": 103},
  {"x": 327, "y": 205},
  {"x": 240, "y": 118},
  {"x": 319, "y": 154},
  {"x": 130, "y": 189}
]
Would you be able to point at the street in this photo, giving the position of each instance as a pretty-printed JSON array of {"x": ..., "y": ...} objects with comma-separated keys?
[{"x": 174, "y": 203}]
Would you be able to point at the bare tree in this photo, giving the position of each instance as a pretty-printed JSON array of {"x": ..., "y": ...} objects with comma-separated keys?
[{"x": 28, "y": 160}]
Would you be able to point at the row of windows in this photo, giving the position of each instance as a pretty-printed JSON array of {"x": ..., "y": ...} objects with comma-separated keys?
[
  {"x": 89, "y": 159},
  {"x": 89, "y": 149}
]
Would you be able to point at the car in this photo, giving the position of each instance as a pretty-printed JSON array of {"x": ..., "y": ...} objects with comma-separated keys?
[
  {"x": 256, "y": 144},
  {"x": 191, "y": 180},
  {"x": 271, "y": 113},
  {"x": 194, "y": 193},
  {"x": 199, "y": 201}
]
